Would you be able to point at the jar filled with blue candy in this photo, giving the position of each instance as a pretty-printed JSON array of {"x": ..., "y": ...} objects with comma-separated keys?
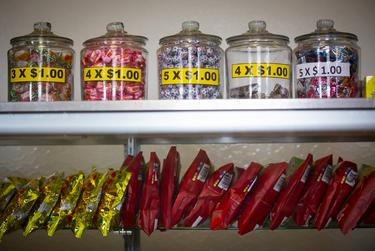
[
  {"x": 190, "y": 65},
  {"x": 327, "y": 63}
]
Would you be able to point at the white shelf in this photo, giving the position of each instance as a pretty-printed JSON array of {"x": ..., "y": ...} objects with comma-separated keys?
[{"x": 188, "y": 121}]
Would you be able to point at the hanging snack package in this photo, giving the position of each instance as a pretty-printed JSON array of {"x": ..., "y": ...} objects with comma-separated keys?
[
  {"x": 149, "y": 211},
  {"x": 191, "y": 185},
  {"x": 86, "y": 208},
  {"x": 360, "y": 200},
  {"x": 296, "y": 178},
  {"x": 127, "y": 161},
  {"x": 228, "y": 209},
  {"x": 264, "y": 195},
  {"x": 8, "y": 188},
  {"x": 50, "y": 194},
  {"x": 62, "y": 213},
  {"x": 169, "y": 185},
  {"x": 342, "y": 183},
  {"x": 19, "y": 207},
  {"x": 133, "y": 193},
  {"x": 112, "y": 200},
  {"x": 316, "y": 187},
  {"x": 213, "y": 190}
]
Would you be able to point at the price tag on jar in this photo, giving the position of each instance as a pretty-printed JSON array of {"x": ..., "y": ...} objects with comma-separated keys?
[
  {"x": 323, "y": 69},
  {"x": 178, "y": 76},
  {"x": 37, "y": 74},
  {"x": 112, "y": 74},
  {"x": 261, "y": 70}
]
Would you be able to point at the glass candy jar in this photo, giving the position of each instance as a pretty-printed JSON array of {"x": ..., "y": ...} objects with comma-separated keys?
[
  {"x": 40, "y": 66},
  {"x": 258, "y": 64},
  {"x": 190, "y": 65},
  {"x": 113, "y": 66},
  {"x": 327, "y": 63}
]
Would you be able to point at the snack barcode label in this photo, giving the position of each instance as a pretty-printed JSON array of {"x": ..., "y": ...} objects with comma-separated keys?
[
  {"x": 327, "y": 174},
  {"x": 225, "y": 181},
  {"x": 351, "y": 178},
  {"x": 65, "y": 206},
  {"x": 279, "y": 184},
  {"x": 305, "y": 174},
  {"x": 203, "y": 172},
  {"x": 43, "y": 208}
]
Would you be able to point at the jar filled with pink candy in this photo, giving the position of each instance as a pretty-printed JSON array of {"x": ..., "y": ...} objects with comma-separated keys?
[{"x": 113, "y": 66}]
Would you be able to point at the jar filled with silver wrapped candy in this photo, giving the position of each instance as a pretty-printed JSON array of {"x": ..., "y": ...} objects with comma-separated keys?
[
  {"x": 190, "y": 65},
  {"x": 327, "y": 63},
  {"x": 258, "y": 64}
]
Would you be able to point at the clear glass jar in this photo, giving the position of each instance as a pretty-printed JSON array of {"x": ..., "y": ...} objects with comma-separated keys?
[
  {"x": 190, "y": 65},
  {"x": 258, "y": 64},
  {"x": 327, "y": 63},
  {"x": 113, "y": 66},
  {"x": 40, "y": 66}
]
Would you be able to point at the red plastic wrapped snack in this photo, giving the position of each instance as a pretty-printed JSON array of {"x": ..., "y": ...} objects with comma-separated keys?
[
  {"x": 212, "y": 192},
  {"x": 228, "y": 209},
  {"x": 370, "y": 215},
  {"x": 342, "y": 183},
  {"x": 169, "y": 185},
  {"x": 191, "y": 185},
  {"x": 149, "y": 210},
  {"x": 316, "y": 187},
  {"x": 360, "y": 200},
  {"x": 127, "y": 161},
  {"x": 131, "y": 203},
  {"x": 263, "y": 196},
  {"x": 297, "y": 175}
]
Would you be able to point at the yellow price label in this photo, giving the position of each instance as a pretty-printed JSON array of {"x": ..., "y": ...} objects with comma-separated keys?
[
  {"x": 261, "y": 70},
  {"x": 112, "y": 73},
  {"x": 37, "y": 74},
  {"x": 187, "y": 76}
]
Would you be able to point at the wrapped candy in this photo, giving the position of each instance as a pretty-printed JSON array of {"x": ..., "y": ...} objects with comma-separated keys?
[
  {"x": 50, "y": 193},
  {"x": 169, "y": 185},
  {"x": 91, "y": 195},
  {"x": 297, "y": 175},
  {"x": 70, "y": 193},
  {"x": 342, "y": 183},
  {"x": 131, "y": 203},
  {"x": 360, "y": 200},
  {"x": 8, "y": 189},
  {"x": 316, "y": 187},
  {"x": 214, "y": 189},
  {"x": 263, "y": 196},
  {"x": 229, "y": 208},
  {"x": 149, "y": 211},
  {"x": 191, "y": 185},
  {"x": 112, "y": 200},
  {"x": 20, "y": 206}
]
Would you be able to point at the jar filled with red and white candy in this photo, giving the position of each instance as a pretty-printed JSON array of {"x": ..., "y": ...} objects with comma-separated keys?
[{"x": 113, "y": 66}]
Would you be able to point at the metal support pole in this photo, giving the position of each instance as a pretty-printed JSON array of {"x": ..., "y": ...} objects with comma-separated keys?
[{"x": 132, "y": 238}]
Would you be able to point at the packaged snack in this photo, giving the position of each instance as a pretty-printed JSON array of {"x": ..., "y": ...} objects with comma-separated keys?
[
  {"x": 214, "y": 189},
  {"x": 86, "y": 208},
  {"x": 8, "y": 188},
  {"x": 191, "y": 185},
  {"x": 296, "y": 178},
  {"x": 265, "y": 193},
  {"x": 50, "y": 193},
  {"x": 127, "y": 161},
  {"x": 19, "y": 208},
  {"x": 70, "y": 193},
  {"x": 360, "y": 200},
  {"x": 369, "y": 87},
  {"x": 169, "y": 185},
  {"x": 229, "y": 208},
  {"x": 316, "y": 187},
  {"x": 130, "y": 206},
  {"x": 342, "y": 183},
  {"x": 149, "y": 211},
  {"x": 369, "y": 218},
  {"x": 112, "y": 200}
]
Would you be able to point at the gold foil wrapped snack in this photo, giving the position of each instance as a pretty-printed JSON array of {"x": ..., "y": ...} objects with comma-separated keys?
[
  {"x": 50, "y": 193},
  {"x": 70, "y": 193},
  {"x": 85, "y": 211},
  {"x": 8, "y": 188},
  {"x": 112, "y": 199}
]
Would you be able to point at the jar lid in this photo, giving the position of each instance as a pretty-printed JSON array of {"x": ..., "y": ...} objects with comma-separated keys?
[
  {"x": 116, "y": 33},
  {"x": 257, "y": 32},
  {"x": 325, "y": 31},
  {"x": 190, "y": 31},
  {"x": 42, "y": 34}
]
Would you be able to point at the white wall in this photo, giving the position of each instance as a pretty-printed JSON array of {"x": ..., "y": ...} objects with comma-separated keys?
[{"x": 81, "y": 20}]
